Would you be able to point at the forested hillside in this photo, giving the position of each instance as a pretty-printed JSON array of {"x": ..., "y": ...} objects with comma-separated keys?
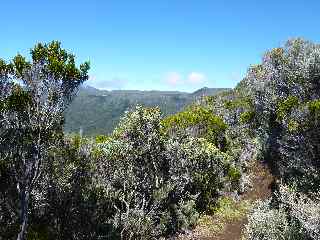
[
  {"x": 98, "y": 111},
  {"x": 245, "y": 159}
]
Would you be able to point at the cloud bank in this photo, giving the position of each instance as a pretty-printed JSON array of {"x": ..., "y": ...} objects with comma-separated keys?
[
  {"x": 112, "y": 84},
  {"x": 196, "y": 77},
  {"x": 174, "y": 79}
]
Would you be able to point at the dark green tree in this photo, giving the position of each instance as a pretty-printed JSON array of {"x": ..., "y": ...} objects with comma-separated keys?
[{"x": 33, "y": 97}]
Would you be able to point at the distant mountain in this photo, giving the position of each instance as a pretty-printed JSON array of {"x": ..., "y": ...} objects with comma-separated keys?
[
  {"x": 98, "y": 111},
  {"x": 205, "y": 91}
]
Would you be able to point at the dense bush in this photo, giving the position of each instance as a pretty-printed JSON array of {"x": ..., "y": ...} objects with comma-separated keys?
[
  {"x": 138, "y": 183},
  {"x": 34, "y": 94},
  {"x": 153, "y": 177},
  {"x": 157, "y": 185},
  {"x": 266, "y": 223},
  {"x": 285, "y": 89},
  {"x": 291, "y": 215},
  {"x": 285, "y": 93},
  {"x": 199, "y": 122}
]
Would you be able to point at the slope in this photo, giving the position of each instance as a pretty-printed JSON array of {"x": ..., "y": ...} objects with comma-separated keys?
[{"x": 98, "y": 111}]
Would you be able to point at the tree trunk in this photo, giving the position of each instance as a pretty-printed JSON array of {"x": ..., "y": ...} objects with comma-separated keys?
[{"x": 24, "y": 201}]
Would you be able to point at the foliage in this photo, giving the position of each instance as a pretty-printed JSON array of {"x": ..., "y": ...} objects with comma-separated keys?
[
  {"x": 228, "y": 209},
  {"x": 269, "y": 224},
  {"x": 152, "y": 176},
  {"x": 246, "y": 117},
  {"x": 200, "y": 122},
  {"x": 286, "y": 106},
  {"x": 98, "y": 111},
  {"x": 236, "y": 103},
  {"x": 102, "y": 138},
  {"x": 293, "y": 216},
  {"x": 33, "y": 97},
  {"x": 234, "y": 174},
  {"x": 288, "y": 79},
  {"x": 314, "y": 106}
]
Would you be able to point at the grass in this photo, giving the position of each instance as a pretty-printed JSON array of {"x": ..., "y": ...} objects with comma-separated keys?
[
  {"x": 229, "y": 210},
  {"x": 226, "y": 211}
]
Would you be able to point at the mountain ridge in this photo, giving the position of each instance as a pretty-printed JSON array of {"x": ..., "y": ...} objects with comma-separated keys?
[{"x": 98, "y": 111}]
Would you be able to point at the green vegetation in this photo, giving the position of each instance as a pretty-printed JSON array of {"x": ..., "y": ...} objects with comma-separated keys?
[
  {"x": 99, "y": 111},
  {"x": 284, "y": 107},
  {"x": 102, "y": 138},
  {"x": 155, "y": 176},
  {"x": 293, "y": 126},
  {"x": 34, "y": 96},
  {"x": 247, "y": 117},
  {"x": 199, "y": 120},
  {"x": 239, "y": 102},
  {"x": 229, "y": 210},
  {"x": 234, "y": 174},
  {"x": 314, "y": 106},
  {"x": 194, "y": 116},
  {"x": 225, "y": 212}
]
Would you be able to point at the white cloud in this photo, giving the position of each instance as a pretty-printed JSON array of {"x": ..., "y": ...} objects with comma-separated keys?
[
  {"x": 173, "y": 78},
  {"x": 115, "y": 83},
  {"x": 92, "y": 78},
  {"x": 196, "y": 78}
]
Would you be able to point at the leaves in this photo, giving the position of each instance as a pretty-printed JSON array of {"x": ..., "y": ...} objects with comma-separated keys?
[{"x": 33, "y": 97}]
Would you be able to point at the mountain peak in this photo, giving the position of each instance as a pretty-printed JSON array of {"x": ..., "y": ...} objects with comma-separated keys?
[{"x": 205, "y": 91}]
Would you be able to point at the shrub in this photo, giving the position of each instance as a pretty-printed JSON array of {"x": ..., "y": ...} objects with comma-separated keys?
[
  {"x": 314, "y": 106},
  {"x": 291, "y": 216},
  {"x": 241, "y": 102},
  {"x": 284, "y": 107},
  {"x": 199, "y": 122},
  {"x": 247, "y": 117},
  {"x": 157, "y": 185},
  {"x": 102, "y": 138},
  {"x": 265, "y": 223},
  {"x": 296, "y": 155},
  {"x": 234, "y": 174}
]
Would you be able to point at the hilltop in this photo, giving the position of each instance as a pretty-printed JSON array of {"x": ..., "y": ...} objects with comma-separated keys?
[{"x": 98, "y": 111}]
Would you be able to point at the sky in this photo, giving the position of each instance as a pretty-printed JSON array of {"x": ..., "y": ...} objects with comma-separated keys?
[{"x": 159, "y": 44}]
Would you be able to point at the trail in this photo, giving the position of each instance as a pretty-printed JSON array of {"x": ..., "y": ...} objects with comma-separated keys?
[
  {"x": 232, "y": 230},
  {"x": 261, "y": 189}
]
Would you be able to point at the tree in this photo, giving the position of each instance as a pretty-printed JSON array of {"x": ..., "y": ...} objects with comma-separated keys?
[
  {"x": 282, "y": 88},
  {"x": 33, "y": 97},
  {"x": 156, "y": 184}
]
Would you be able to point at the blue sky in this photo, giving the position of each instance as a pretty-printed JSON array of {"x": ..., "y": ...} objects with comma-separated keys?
[{"x": 162, "y": 45}]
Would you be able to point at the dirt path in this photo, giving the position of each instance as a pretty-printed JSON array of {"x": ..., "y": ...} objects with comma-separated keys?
[
  {"x": 261, "y": 189},
  {"x": 232, "y": 229}
]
